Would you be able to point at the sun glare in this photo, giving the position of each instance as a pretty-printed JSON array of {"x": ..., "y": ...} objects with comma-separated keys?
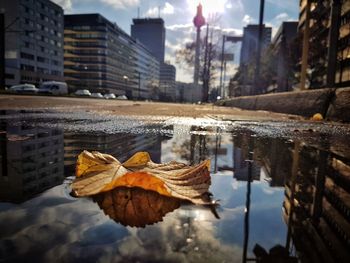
[{"x": 210, "y": 7}]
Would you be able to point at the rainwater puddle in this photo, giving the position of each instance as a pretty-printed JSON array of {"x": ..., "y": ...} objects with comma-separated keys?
[{"x": 283, "y": 191}]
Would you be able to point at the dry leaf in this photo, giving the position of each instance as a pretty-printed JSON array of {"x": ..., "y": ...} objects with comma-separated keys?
[
  {"x": 135, "y": 206},
  {"x": 97, "y": 172}
]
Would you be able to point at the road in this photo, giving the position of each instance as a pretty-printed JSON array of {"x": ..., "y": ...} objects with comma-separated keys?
[{"x": 127, "y": 108}]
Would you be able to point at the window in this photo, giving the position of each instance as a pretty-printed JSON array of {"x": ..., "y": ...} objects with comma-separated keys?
[{"x": 27, "y": 56}]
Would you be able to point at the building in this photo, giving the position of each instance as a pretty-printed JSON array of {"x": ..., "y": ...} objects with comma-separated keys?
[
  {"x": 151, "y": 33},
  {"x": 167, "y": 82},
  {"x": 250, "y": 42},
  {"x": 284, "y": 48},
  {"x": 320, "y": 58},
  {"x": 188, "y": 92},
  {"x": 31, "y": 161},
  {"x": 33, "y": 41},
  {"x": 101, "y": 57},
  {"x": 147, "y": 69}
]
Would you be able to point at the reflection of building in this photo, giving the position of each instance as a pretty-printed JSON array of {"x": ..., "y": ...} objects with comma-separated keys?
[
  {"x": 34, "y": 41},
  {"x": 31, "y": 161},
  {"x": 317, "y": 206},
  {"x": 99, "y": 56},
  {"x": 319, "y": 44},
  {"x": 121, "y": 146},
  {"x": 275, "y": 158},
  {"x": 282, "y": 42},
  {"x": 241, "y": 171}
]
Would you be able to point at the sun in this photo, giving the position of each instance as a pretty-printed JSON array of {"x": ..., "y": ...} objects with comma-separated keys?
[{"x": 210, "y": 7}]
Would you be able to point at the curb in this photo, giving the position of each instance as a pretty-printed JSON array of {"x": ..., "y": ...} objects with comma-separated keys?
[{"x": 333, "y": 104}]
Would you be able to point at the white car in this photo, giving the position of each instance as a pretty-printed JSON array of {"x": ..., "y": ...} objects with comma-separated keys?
[
  {"x": 23, "y": 88},
  {"x": 97, "y": 95},
  {"x": 109, "y": 96},
  {"x": 83, "y": 92},
  {"x": 122, "y": 97},
  {"x": 54, "y": 87}
]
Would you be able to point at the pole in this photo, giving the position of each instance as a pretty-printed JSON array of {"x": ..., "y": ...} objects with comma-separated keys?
[
  {"x": 2, "y": 51},
  {"x": 333, "y": 43},
  {"x": 196, "y": 59},
  {"x": 224, "y": 81},
  {"x": 258, "y": 53},
  {"x": 305, "y": 51},
  {"x": 222, "y": 62},
  {"x": 139, "y": 85},
  {"x": 206, "y": 69}
]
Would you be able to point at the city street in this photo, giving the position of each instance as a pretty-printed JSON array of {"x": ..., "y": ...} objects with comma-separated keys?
[{"x": 127, "y": 108}]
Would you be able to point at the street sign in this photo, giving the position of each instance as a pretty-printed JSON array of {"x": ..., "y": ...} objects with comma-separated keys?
[{"x": 233, "y": 38}]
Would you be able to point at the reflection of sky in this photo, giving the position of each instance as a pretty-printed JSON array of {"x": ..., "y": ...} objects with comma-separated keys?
[
  {"x": 53, "y": 226},
  {"x": 56, "y": 227},
  {"x": 266, "y": 225}
]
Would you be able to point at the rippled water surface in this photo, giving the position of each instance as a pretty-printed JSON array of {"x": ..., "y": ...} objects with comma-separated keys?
[{"x": 283, "y": 190}]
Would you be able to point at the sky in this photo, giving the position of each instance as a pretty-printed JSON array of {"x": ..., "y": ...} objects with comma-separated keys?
[{"x": 232, "y": 16}]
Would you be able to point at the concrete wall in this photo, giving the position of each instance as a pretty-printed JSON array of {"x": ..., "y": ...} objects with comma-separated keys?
[{"x": 332, "y": 104}]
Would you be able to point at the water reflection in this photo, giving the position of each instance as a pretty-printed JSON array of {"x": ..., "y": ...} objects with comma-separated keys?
[
  {"x": 31, "y": 161},
  {"x": 255, "y": 177}
]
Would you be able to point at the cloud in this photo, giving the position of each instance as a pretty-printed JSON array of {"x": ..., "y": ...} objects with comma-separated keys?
[
  {"x": 248, "y": 20},
  {"x": 121, "y": 4},
  {"x": 179, "y": 26},
  {"x": 235, "y": 31},
  {"x": 65, "y": 4},
  {"x": 282, "y": 16},
  {"x": 168, "y": 9}
]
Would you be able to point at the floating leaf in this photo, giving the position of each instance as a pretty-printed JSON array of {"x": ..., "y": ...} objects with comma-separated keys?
[{"x": 97, "y": 172}]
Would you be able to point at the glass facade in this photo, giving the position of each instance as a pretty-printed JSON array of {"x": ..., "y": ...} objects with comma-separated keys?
[{"x": 100, "y": 57}]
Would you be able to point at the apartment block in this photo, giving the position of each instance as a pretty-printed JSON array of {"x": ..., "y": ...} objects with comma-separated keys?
[{"x": 33, "y": 41}]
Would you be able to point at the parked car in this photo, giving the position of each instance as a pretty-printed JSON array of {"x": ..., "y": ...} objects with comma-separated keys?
[
  {"x": 109, "y": 96},
  {"x": 83, "y": 92},
  {"x": 54, "y": 87},
  {"x": 122, "y": 97},
  {"x": 24, "y": 88},
  {"x": 97, "y": 95}
]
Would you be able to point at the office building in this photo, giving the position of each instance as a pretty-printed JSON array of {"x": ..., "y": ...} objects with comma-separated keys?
[
  {"x": 147, "y": 69},
  {"x": 33, "y": 41},
  {"x": 250, "y": 42},
  {"x": 188, "y": 92},
  {"x": 167, "y": 82},
  {"x": 151, "y": 33},
  {"x": 320, "y": 22},
  {"x": 101, "y": 57},
  {"x": 285, "y": 49}
]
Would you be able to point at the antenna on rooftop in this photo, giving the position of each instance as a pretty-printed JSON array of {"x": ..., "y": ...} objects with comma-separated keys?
[
  {"x": 158, "y": 11},
  {"x": 138, "y": 12}
]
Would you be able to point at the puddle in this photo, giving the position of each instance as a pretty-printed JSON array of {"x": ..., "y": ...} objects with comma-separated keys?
[{"x": 281, "y": 188}]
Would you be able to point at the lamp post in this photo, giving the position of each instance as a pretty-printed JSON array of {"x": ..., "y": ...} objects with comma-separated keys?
[
  {"x": 139, "y": 77},
  {"x": 126, "y": 78},
  {"x": 198, "y": 22}
]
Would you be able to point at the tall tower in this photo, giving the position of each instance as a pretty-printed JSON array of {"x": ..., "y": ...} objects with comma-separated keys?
[
  {"x": 198, "y": 22},
  {"x": 151, "y": 33}
]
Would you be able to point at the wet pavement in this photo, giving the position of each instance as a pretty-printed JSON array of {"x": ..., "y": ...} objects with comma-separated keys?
[{"x": 283, "y": 189}]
